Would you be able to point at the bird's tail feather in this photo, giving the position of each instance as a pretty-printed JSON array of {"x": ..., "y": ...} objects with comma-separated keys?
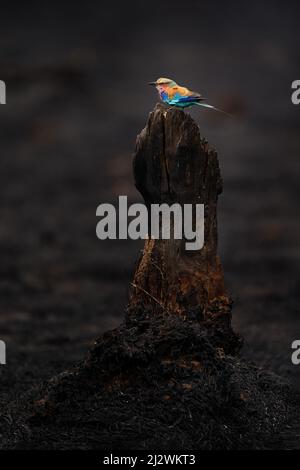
[{"x": 205, "y": 105}]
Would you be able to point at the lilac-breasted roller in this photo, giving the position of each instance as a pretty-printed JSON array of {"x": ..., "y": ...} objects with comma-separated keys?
[{"x": 176, "y": 95}]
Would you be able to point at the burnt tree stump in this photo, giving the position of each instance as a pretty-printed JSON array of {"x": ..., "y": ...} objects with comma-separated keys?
[{"x": 173, "y": 164}]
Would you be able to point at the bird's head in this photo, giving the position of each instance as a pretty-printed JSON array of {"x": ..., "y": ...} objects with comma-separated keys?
[{"x": 162, "y": 84}]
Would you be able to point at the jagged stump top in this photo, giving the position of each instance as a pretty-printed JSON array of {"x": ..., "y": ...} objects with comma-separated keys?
[{"x": 173, "y": 164}]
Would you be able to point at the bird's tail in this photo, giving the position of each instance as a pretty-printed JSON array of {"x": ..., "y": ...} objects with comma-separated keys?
[{"x": 205, "y": 105}]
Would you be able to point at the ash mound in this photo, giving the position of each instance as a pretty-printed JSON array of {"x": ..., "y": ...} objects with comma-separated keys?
[{"x": 158, "y": 381}]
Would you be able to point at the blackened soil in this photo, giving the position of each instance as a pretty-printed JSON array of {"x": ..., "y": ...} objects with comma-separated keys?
[{"x": 157, "y": 382}]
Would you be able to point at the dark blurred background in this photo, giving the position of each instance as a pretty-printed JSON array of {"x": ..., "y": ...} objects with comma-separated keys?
[{"x": 77, "y": 95}]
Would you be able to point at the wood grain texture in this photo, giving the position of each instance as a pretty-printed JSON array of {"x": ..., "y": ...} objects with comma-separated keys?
[{"x": 173, "y": 164}]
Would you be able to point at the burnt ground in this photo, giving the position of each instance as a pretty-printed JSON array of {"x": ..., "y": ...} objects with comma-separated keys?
[{"x": 76, "y": 100}]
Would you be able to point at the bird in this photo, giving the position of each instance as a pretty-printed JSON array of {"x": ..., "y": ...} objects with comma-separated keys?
[{"x": 176, "y": 95}]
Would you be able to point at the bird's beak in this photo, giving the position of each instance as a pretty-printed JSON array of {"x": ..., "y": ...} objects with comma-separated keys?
[{"x": 152, "y": 83}]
